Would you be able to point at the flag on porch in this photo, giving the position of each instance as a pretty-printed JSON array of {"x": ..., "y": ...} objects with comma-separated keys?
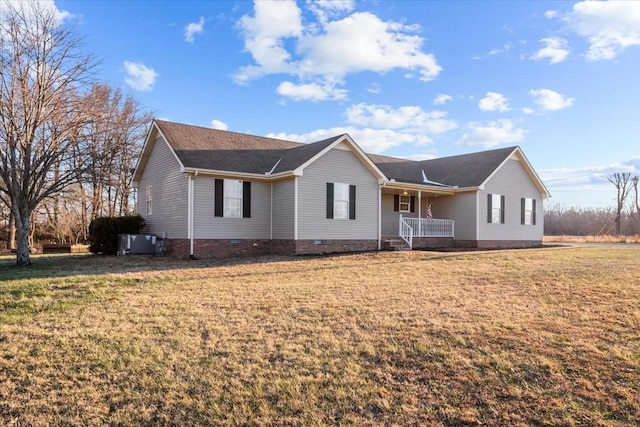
[{"x": 429, "y": 215}]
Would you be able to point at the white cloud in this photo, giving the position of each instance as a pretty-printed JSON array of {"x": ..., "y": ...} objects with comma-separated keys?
[
  {"x": 374, "y": 88},
  {"x": 218, "y": 124},
  {"x": 555, "y": 50},
  {"x": 588, "y": 180},
  {"x": 374, "y": 45},
  {"x": 192, "y": 29},
  {"x": 609, "y": 26},
  {"x": 492, "y": 134},
  {"x": 528, "y": 110},
  {"x": 378, "y": 128},
  {"x": 264, "y": 36},
  {"x": 139, "y": 76},
  {"x": 442, "y": 98},
  {"x": 325, "y": 9},
  {"x": 550, "y": 14},
  {"x": 494, "y": 102},
  {"x": 550, "y": 100},
  {"x": 373, "y": 141},
  {"x": 421, "y": 156},
  {"x": 406, "y": 118},
  {"x": 311, "y": 91},
  {"x": 507, "y": 47},
  {"x": 29, "y": 9},
  {"x": 317, "y": 53}
]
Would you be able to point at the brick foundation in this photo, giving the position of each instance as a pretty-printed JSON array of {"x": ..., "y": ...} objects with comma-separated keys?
[
  {"x": 305, "y": 247},
  {"x": 232, "y": 248},
  {"x": 433, "y": 242},
  {"x": 218, "y": 248},
  {"x": 497, "y": 244}
]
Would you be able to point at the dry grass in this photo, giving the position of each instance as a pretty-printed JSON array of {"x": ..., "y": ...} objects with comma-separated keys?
[
  {"x": 530, "y": 337},
  {"x": 592, "y": 239}
]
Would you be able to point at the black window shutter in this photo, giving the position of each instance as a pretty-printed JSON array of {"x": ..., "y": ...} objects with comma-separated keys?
[
  {"x": 352, "y": 202},
  {"x": 246, "y": 199},
  {"x": 523, "y": 208},
  {"x": 329, "y": 200},
  {"x": 489, "y": 208},
  {"x": 219, "y": 197},
  {"x": 413, "y": 204},
  {"x": 396, "y": 202},
  {"x": 501, "y": 209},
  {"x": 533, "y": 211}
]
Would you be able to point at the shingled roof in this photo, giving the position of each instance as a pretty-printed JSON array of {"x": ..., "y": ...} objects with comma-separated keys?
[
  {"x": 216, "y": 150},
  {"x": 465, "y": 170},
  {"x": 212, "y": 149}
]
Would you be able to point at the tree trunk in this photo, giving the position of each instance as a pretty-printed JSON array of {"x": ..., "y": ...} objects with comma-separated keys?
[
  {"x": 11, "y": 240},
  {"x": 23, "y": 221}
]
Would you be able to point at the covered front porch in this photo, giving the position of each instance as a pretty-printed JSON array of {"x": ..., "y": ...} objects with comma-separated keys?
[
  {"x": 410, "y": 216},
  {"x": 410, "y": 228}
]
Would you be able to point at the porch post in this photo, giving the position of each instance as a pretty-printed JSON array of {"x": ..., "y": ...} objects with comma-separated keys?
[{"x": 420, "y": 230}]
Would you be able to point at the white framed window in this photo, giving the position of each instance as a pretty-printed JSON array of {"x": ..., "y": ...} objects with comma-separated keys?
[
  {"x": 149, "y": 199},
  {"x": 340, "y": 201},
  {"x": 495, "y": 209},
  {"x": 405, "y": 203},
  {"x": 528, "y": 214},
  {"x": 232, "y": 198}
]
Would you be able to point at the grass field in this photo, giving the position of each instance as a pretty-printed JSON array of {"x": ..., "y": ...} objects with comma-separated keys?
[{"x": 500, "y": 338}]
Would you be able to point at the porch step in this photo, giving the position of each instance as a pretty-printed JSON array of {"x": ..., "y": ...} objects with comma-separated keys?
[{"x": 395, "y": 245}]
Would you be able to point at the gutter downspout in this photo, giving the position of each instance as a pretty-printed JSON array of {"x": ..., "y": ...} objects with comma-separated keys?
[
  {"x": 190, "y": 215},
  {"x": 295, "y": 210},
  {"x": 380, "y": 217}
]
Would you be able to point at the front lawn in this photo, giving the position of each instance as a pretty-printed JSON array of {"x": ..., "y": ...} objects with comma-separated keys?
[{"x": 523, "y": 337}]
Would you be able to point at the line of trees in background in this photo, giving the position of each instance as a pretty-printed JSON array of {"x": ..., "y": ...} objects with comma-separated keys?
[{"x": 623, "y": 219}]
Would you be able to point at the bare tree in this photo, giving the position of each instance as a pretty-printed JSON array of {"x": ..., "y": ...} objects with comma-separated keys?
[
  {"x": 636, "y": 204},
  {"x": 113, "y": 140},
  {"x": 621, "y": 182},
  {"x": 41, "y": 76}
]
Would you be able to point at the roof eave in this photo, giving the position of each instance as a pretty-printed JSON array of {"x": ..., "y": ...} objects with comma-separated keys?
[{"x": 234, "y": 174}]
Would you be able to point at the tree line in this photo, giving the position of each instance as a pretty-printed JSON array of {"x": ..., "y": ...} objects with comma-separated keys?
[
  {"x": 68, "y": 143},
  {"x": 623, "y": 219}
]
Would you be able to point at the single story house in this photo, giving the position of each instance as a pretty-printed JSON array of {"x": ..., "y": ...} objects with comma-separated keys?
[{"x": 215, "y": 193}]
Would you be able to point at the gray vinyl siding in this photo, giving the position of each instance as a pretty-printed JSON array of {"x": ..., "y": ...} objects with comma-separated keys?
[
  {"x": 343, "y": 166},
  {"x": 208, "y": 226},
  {"x": 283, "y": 209},
  {"x": 390, "y": 218},
  {"x": 461, "y": 208},
  {"x": 511, "y": 181},
  {"x": 169, "y": 205}
]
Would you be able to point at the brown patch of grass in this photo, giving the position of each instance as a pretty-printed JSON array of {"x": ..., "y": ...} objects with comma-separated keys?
[
  {"x": 531, "y": 337},
  {"x": 592, "y": 239}
]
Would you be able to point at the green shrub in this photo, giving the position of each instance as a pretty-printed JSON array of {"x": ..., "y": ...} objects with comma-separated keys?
[{"x": 103, "y": 232}]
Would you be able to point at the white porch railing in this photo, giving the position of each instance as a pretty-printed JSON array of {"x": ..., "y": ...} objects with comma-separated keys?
[
  {"x": 422, "y": 227},
  {"x": 406, "y": 232}
]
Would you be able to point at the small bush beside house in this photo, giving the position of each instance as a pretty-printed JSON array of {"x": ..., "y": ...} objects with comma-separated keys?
[{"x": 103, "y": 232}]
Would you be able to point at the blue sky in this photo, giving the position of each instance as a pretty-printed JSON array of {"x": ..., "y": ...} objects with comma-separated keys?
[{"x": 416, "y": 79}]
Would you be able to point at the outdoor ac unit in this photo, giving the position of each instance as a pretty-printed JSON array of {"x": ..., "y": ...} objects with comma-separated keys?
[{"x": 140, "y": 244}]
